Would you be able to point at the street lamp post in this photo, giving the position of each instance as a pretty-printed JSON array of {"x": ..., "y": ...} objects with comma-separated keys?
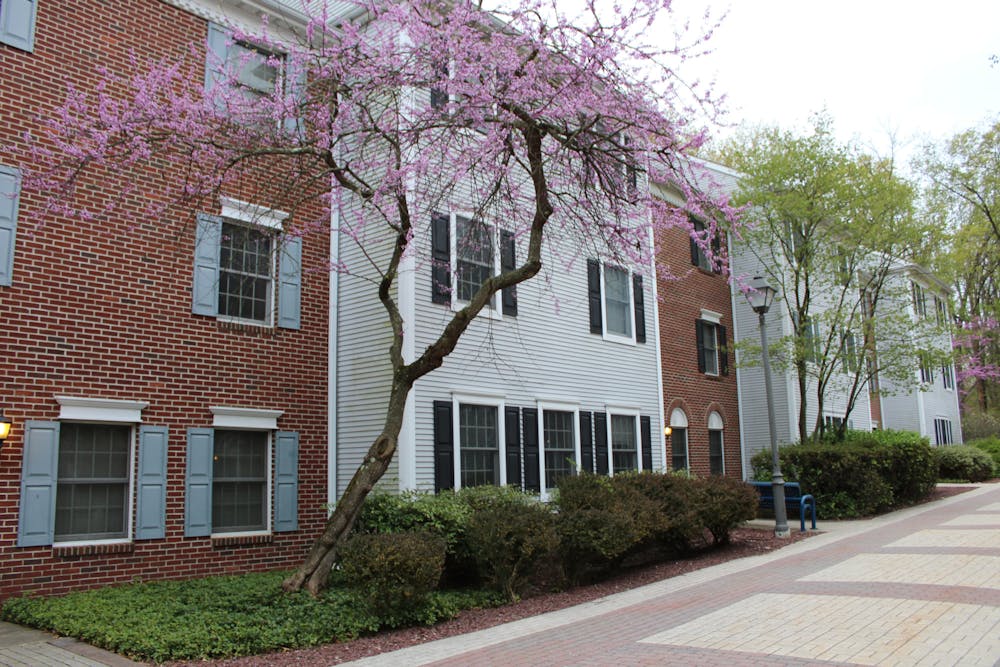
[{"x": 760, "y": 296}]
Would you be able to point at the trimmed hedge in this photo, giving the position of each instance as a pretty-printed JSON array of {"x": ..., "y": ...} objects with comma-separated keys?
[
  {"x": 964, "y": 463},
  {"x": 992, "y": 447},
  {"x": 866, "y": 474}
]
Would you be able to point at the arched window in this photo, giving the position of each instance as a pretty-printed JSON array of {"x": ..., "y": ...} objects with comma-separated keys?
[
  {"x": 678, "y": 440},
  {"x": 716, "y": 451}
]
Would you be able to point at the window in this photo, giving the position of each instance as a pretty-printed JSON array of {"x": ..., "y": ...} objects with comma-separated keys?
[
  {"x": 255, "y": 71},
  {"x": 624, "y": 444},
  {"x": 926, "y": 368},
  {"x": 698, "y": 256},
  {"x": 678, "y": 440},
  {"x": 247, "y": 272},
  {"x": 941, "y": 311},
  {"x": 439, "y": 96},
  {"x": 844, "y": 269},
  {"x": 93, "y": 487},
  {"x": 948, "y": 376},
  {"x": 716, "y": 452},
  {"x": 251, "y": 71},
  {"x": 558, "y": 445},
  {"x": 711, "y": 345},
  {"x": 17, "y": 23},
  {"x": 241, "y": 475},
  {"x": 616, "y": 303},
  {"x": 919, "y": 301},
  {"x": 942, "y": 431},
  {"x": 239, "y": 481},
  {"x": 473, "y": 260},
  {"x": 811, "y": 341},
  {"x": 849, "y": 352},
  {"x": 832, "y": 422},
  {"x": 479, "y": 445},
  {"x": 10, "y": 187}
]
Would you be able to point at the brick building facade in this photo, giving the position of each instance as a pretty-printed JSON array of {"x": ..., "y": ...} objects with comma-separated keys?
[{"x": 151, "y": 438}]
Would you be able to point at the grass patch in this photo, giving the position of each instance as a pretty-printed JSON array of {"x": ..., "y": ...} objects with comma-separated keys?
[{"x": 220, "y": 617}]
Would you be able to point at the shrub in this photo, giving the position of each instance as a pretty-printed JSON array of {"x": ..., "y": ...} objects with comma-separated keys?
[
  {"x": 977, "y": 425},
  {"x": 992, "y": 447},
  {"x": 513, "y": 543},
  {"x": 667, "y": 508},
  {"x": 965, "y": 463},
  {"x": 865, "y": 474},
  {"x": 723, "y": 504},
  {"x": 443, "y": 514},
  {"x": 395, "y": 572}
]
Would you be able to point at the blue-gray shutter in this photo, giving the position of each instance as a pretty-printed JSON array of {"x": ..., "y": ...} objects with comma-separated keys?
[
  {"x": 218, "y": 46},
  {"x": 207, "y": 242},
  {"x": 444, "y": 447},
  {"x": 286, "y": 481},
  {"x": 512, "y": 444},
  {"x": 151, "y": 494},
  {"x": 17, "y": 23},
  {"x": 639, "y": 303},
  {"x": 290, "y": 284},
  {"x": 440, "y": 259},
  {"x": 9, "y": 192},
  {"x": 508, "y": 262},
  {"x": 198, "y": 482},
  {"x": 529, "y": 423},
  {"x": 601, "y": 442},
  {"x": 39, "y": 468},
  {"x": 645, "y": 431},
  {"x": 586, "y": 443},
  {"x": 594, "y": 296}
]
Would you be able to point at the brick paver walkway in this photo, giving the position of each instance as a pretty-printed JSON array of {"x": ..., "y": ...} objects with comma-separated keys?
[{"x": 917, "y": 587}]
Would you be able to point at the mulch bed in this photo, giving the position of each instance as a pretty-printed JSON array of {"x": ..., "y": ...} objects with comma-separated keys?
[{"x": 744, "y": 542}]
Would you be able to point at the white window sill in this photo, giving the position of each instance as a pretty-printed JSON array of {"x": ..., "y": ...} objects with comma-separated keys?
[
  {"x": 617, "y": 338},
  {"x": 90, "y": 543}
]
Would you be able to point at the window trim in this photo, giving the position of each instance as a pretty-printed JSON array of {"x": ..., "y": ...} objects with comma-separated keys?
[
  {"x": 941, "y": 424},
  {"x": 270, "y": 322},
  {"x": 948, "y": 376},
  {"x": 268, "y": 488},
  {"x": 716, "y": 423},
  {"x": 630, "y": 314},
  {"x": 95, "y": 410},
  {"x": 490, "y": 400},
  {"x": 556, "y": 406},
  {"x": 623, "y": 411},
  {"x": 687, "y": 438},
  {"x": 494, "y": 309}
]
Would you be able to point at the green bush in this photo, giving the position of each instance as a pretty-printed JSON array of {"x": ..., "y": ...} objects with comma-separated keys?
[
  {"x": 443, "y": 514},
  {"x": 217, "y": 617},
  {"x": 394, "y": 572},
  {"x": 514, "y": 544},
  {"x": 980, "y": 425},
  {"x": 723, "y": 504},
  {"x": 866, "y": 474},
  {"x": 965, "y": 463},
  {"x": 667, "y": 505},
  {"x": 992, "y": 447}
]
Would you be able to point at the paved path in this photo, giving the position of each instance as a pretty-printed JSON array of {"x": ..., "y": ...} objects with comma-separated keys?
[
  {"x": 24, "y": 647},
  {"x": 917, "y": 587}
]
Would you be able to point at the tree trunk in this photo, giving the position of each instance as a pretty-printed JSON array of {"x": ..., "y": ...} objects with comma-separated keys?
[{"x": 314, "y": 572}]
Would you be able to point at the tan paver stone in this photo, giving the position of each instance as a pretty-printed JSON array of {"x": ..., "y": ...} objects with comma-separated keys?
[
  {"x": 938, "y": 569},
  {"x": 988, "y": 539},
  {"x": 870, "y": 631},
  {"x": 993, "y": 507},
  {"x": 975, "y": 520}
]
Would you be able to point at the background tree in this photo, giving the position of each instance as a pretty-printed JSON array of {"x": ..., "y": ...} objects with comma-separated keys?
[
  {"x": 523, "y": 116},
  {"x": 962, "y": 194},
  {"x": 832, "y": 227}
]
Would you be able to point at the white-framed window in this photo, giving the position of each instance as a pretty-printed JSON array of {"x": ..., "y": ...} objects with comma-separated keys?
[
  {"x": 942, "y": 431},
  {"x": 624, "y": 452},
  {"x": 475, "y": 256},
  {"x": 716, "y": 447},
  {"x": 249, "y": 70},
  {"x": 849, "y": 352},
  {"x": 618, "y": 307},
  {"x": 919, "y": 298},
  {"x": 948, "y": 376},
  {"x": 711, "y": 344},
  {"x": 241, "y": 482},
  {"x": 678, "y": 440},
  {"x": 941, "y": 311},
  {"x": 616, "y": 303},
  {"x": 479, "y": 442},
  {"x": 812, "y": 341},
  {"x": 832, "y": 421},
  {"x": 699, "y": 257},
  {"x": 246, "y": 273},
  {"x": 559, "y": 435},
  {"x": 94, "y": 488},
  {"x": 926, "y": 368}
]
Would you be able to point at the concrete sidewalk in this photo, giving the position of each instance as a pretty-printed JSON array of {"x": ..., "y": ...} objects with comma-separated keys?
[
  {"x": 920, "y": 586},
  {"x": 24, "y": 647}
]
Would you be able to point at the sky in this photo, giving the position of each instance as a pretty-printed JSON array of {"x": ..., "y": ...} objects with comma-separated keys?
[{"x": 917, "y": 69}]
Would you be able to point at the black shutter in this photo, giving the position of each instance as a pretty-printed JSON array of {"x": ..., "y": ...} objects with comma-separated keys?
[
  {"x": 507, "y": 263},
  {"x": 440, "y": 259},
  {"x": 529, "y": 417},
  {"x": 699, "y": 337},
  {"x": 723, "y": 344},
  {"x": 716, "y": 251},
  {"x": 594, "y": 296},
  {"x": 639, "y": 301},
  {"x": 512, "y": 442},
  {"x": 601, "y": 442},
  {"x": 647, "y": 443},
  {"x": 444, "y": 450},
  {"x": 694, "y": 251},
  {"x": 586, "y": 443}
]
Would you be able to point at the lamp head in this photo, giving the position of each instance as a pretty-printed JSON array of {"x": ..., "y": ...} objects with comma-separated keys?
[{"x": 761, "y": 295}]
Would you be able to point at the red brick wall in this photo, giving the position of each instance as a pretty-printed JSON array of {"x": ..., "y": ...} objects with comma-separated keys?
[
  {"x": 681, "y": 302},
  {"x": 103, "y": 310}
]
